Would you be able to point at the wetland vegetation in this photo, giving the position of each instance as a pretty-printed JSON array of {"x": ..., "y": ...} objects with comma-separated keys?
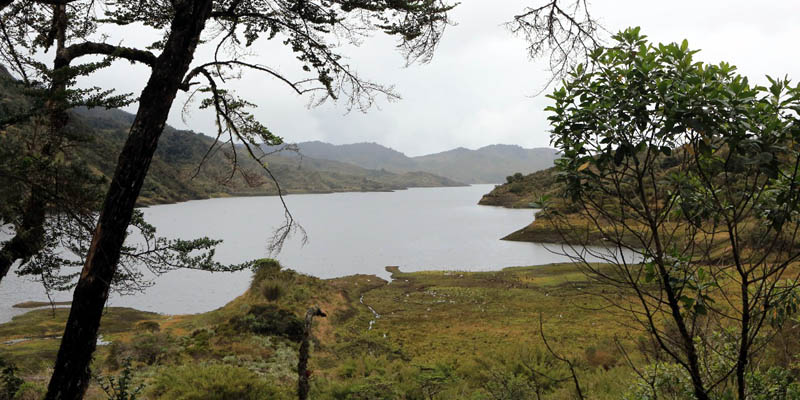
[{"x": 445, "y": 334}]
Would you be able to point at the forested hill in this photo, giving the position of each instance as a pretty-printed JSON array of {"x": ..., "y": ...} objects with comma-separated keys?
[
  {"x": 180, "y": 152},
  {"x": 490, "y": 164},
  {"x": 172, "y": 175}
]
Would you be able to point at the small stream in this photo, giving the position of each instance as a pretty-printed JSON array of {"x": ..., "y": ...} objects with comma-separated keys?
[{"x": 374, "y": 313}]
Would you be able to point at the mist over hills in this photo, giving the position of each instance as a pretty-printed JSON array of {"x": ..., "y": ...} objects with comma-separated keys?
[{"x": 489, "y": 164}]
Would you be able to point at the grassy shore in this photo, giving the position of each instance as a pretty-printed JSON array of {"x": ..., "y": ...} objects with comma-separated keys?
[{"x": 438, "y": 334}]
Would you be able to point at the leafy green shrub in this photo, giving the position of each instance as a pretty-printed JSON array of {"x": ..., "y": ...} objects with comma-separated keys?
[
  {"x": 774, "y": 384},
  {"x": 661, "y": 381},
  {"x": 211, "y": 382},
  {"x": 198, "y": 344},
  {"x": 519, "y": 374},
  {"x": 31, "y": 391},
  {"x": 431, "y": 380},
  {"x": 120, "y": 387},
  {"x": 509, "y": 386},
  {"x": 517, "y": 177},
  {"x": 149, "y": 348},
  {"x": 264, "y": 270},
  {"x": 516, "y": 188},
  {"x": 269, "y": 319},
  {"x": 10, "y": 383}
]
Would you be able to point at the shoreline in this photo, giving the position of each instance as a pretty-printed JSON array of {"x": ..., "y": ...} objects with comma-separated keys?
[
  {"x": 225, "y": 195},
  {"x": 395, "y": 272}
]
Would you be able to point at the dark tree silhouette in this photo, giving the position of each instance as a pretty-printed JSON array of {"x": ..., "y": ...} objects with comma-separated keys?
[
  {"x": 563, "y": 31},
  {"x": 50, "y": 196}
]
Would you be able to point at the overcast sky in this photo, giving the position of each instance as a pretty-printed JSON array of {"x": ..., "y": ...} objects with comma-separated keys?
[{"x": 479, "y": 87}]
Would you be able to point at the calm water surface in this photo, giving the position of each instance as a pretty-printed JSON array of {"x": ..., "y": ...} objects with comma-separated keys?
[{"x": 348, "y": 233}]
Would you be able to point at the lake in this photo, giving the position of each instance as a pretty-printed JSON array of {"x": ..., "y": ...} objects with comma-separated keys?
[{"x": 348, "y": 233}]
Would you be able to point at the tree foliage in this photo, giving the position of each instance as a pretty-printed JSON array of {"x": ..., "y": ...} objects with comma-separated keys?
[{"x": 691, "y": 173}]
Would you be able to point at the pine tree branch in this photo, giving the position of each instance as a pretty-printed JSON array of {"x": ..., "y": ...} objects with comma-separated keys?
[{"x": 91, "y": 48}]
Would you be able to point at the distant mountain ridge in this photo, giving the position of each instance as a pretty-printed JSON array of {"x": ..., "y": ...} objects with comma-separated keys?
[
  {"x": 174, "y": 175},
  {"x": 488, "y": 164}
]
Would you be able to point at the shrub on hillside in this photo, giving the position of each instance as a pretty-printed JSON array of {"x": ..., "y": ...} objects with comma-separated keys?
[
  {"x": 519, "y": 374},
  {"x": 10, "y": 383},
  {"x": 149, "y": 348},
  {"x": 264, "y": 270},
  {"x": 211, "y": 382},
  {"x": 146, "y": 347},
  {"x": 269, "y": 319},
  {"x": 31, "y": 391},
  {"x": 517, "y": 177}
]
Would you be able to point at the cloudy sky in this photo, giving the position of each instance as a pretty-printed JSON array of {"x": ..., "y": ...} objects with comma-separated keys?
[{"x": 479, "y": 87}]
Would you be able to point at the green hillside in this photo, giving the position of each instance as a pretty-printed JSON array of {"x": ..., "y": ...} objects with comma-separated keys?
[
  {"x": 180, "y": 152},
  {"x": 523, "y": 191},
  {"x": 174, "y": 175}
]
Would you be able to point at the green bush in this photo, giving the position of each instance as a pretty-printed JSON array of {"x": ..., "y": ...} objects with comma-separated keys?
[
  {"x": 10, "y": 383},
  {"x": 121, "y": 387},
  {"x": 211, "y": 382},
  {"x": 517, "y": 177},
  {"x": 263, "y": 270},
  {"x": 517, "y": 374},
  {"x": 145, "y": 347},
  {"x": 198, "y": 344},
  {"x": 31, "y": 391},
  {"x": 149, "y": 348},
  {"x": 269, "y": 319}
]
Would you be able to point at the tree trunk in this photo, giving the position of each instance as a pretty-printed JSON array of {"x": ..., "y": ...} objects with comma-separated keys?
[
  {"x": 302, "y": 360},
  {"x": 71, "y": 374},
  {"x": 744, "y": 345}
]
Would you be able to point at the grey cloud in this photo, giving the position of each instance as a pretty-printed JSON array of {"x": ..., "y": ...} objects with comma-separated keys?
[{"x": 477, "y": 89}]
